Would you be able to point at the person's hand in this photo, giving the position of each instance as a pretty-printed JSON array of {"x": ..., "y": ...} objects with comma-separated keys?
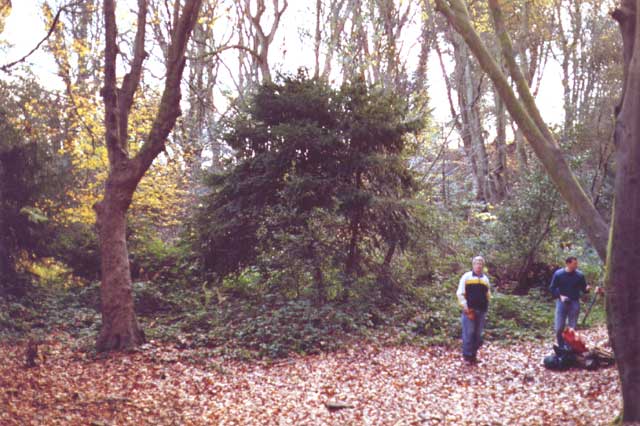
[
  {"x": 563, "y": 298},
  {"x": 587, "y": 288},
  {"x": 599, "y": 290},
  {"x": 470, "y": 313}
]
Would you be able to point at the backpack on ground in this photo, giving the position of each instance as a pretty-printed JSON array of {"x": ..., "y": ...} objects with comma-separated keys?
[{"x": 562, "y": 359}]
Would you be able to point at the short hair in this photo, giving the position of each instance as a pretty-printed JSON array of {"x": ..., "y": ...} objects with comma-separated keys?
[
  {"x": 570, "y": 259},
  {"x": 478, "y": 259}
]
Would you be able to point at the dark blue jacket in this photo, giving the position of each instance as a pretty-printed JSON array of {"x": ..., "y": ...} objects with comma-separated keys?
[{"x": 569, "y": 284}]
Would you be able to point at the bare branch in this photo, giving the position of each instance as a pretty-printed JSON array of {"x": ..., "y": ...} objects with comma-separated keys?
[
  {"x": 169, "y": 108},
  {"x": 221, "y": 49},
  {"x": 454, "y": 115},
  {"x": 110, "y": 91},
  {"x": 131, "y": 80},
  {"x": 276, "y": 19},
  {"x": 52, "y": 28},
  {"x": 515, "y": 71}
]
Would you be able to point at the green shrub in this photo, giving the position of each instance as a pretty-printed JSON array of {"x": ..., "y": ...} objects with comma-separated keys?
[
  {"x": 149, "y": 299},
  {"x": 157, "y": 260},
  {"x": 517, "y": 317},
  {"x": 76, "y": 244},
  {"x": 318, "y": 191}
]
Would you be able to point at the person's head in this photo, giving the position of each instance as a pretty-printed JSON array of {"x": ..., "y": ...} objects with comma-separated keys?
[
  {"x": 478, "y": 264},
  {"x": 572, "y": 263}
]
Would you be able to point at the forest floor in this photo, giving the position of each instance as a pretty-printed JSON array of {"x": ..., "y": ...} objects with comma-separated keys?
[{"x": 381, "y": 385}]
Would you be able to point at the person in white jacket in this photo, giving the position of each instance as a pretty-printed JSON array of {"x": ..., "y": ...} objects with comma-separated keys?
[{"x": 473, "y": 294}]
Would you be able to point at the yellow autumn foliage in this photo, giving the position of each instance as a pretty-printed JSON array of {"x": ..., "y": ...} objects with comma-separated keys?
[{"x": 159, "y": 198}]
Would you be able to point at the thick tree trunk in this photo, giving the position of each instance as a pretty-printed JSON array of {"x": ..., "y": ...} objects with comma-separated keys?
[
  {"x": 469, "y": 91},
  {"x": 120, "y": 329},
  {"x": 484, "y": 193},
  {"x": 623, "y": 291}
]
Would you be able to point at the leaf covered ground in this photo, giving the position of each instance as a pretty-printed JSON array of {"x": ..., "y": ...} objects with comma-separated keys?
[{"x": 392, "y": 385}]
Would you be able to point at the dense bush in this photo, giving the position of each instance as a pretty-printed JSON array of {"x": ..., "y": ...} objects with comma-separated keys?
[
  {"x": 526, "y": 234},
  {"x": 154, "y": 259},
  {"x": 317, "y": 197},
  {"x": 27, "y": 173},
  {"x": 34, "y": 176},
  {"x": 76, "y": 244}
]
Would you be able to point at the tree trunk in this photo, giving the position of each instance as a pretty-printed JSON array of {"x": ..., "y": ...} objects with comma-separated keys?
[
  {"x": 500, "y": 171},
  {"x": 317, "y": 41},
  {"x": 468, "y": 96},
  {"x": 388, "y": 289},
  {"x": 336, "y": 22},
  {"x": 352, "y": 257},
  {"x": 521, "y": 150},
  {"x": 120, "y": 329},
  {"x": 261, "y": 38},
  {"x": 623, "y": 292}
]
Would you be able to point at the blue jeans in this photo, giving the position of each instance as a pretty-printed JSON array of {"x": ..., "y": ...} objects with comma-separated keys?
[
  {"x": 568, "y": 310},
  {"x": 472, "y": 333}
]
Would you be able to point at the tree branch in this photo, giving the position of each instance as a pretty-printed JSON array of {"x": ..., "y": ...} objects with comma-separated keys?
[
  {"x": 514, "y": 69},
  {"x": 221, "y": 49},
  {"x": 52, "y": 28},
  {"x": 169, "y": 108},
  {"x": 276, "y": 19},
  {"x": 110, "y": 91},
  {"x": 131, "y": 80}
]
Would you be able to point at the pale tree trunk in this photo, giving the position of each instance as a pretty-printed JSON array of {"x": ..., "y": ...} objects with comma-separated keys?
[
  {"x": 477, "y": 138},
  {"x": 622, "y": 289},
  {"x": 472, "y": 133},
  {"x": 120, "y": 329},
  {"x": 338, "y": 15},
  {"x": 355, "y": 66},
  {"x": 317, "y": 40},
  {"x": 393, "y": 21},
  {"x": 526, "y": 114},
  {"x": 262, "y": 38},
  {"x": 579, "y": 65},
  {"x": 499, "y": 174},
  {"x": 426, "y": 38},
  {"x": 197, "y": 135},
  {"x": 568, "y": 50},
  {"x": 455, "y": 117},
  {"x": 521, "y": 149}
]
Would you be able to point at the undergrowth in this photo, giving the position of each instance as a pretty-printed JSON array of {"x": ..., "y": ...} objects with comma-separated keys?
[{"x": 271, "y": 326}]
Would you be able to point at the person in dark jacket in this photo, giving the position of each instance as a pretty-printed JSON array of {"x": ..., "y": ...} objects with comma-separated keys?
[{"x": 567, "y": 285}]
